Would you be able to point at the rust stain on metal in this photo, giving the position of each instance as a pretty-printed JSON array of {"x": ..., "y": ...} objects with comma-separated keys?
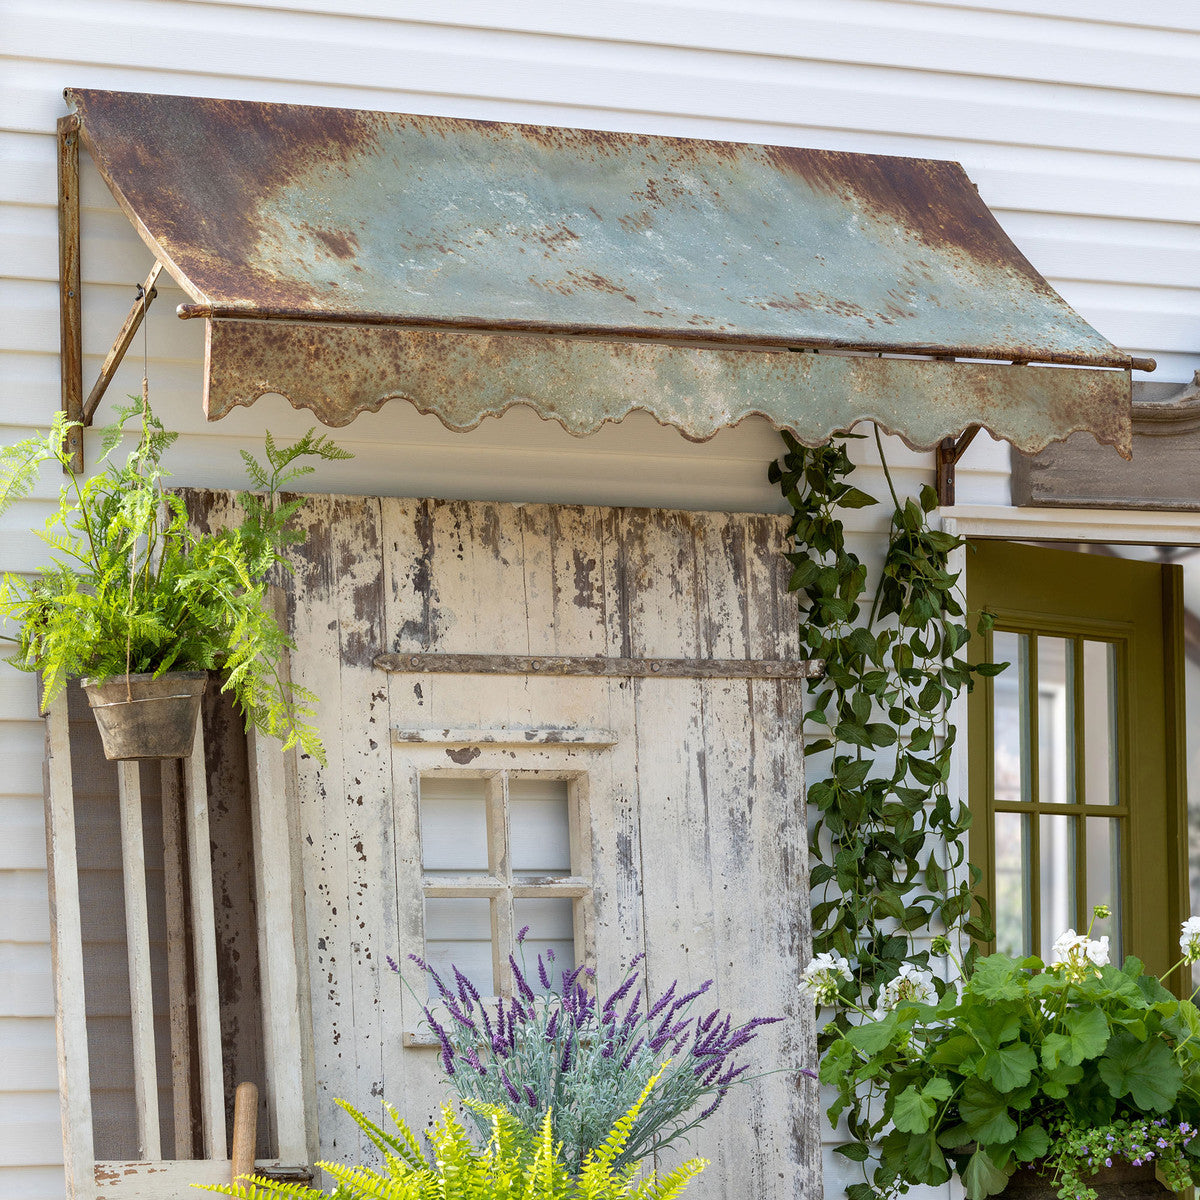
[{"x": 354, "y": 220}]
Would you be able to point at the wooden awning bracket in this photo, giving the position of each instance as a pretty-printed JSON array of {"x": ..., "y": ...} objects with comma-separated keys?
[
  {"x": 70, "y": 301},
  {"x": 949, "y": 451}
]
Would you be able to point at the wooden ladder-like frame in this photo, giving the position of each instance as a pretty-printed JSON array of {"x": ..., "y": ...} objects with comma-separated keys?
[{"x": 287, "y": 1034}]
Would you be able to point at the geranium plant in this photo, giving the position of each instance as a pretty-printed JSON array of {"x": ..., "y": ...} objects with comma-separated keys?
[
  {"x": 556, "y": 1047},
  {"x": 132, "y": 589},
  {"x": 1069, "y": 1067},
  {"x": 514, "y": 1163}
]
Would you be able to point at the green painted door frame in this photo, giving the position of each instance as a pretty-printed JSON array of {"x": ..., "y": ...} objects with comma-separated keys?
[{"x": 1137, "y": 606}]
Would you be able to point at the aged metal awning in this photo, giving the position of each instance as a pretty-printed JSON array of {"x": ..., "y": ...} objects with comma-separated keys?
[{"x": 343, "y": 258}]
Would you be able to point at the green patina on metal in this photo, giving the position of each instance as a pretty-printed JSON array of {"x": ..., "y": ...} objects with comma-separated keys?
[{"x": 471, "y": 265}]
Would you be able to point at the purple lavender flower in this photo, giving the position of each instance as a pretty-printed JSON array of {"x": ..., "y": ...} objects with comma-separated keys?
[
  {"x": 549, "y": 953},
  {"x": 543, "y": 974},
  {"x": 443, "y": 990},
  {"x": 523, "y": 988},
  {"x": 565, "y": 1065},
  {"x": 702, "y": 1026},
  {"x": 531, "y": 1096},
  {"x": 712, "y": 1108},
  {"x": 391, "y": 962},
  {"x": 508, "y": 1087},
  {"x": 473, "y": 1060},
  {"x": 467, "y": 991},
  {"x": 552, "y": 1026},
  {"x": 522, "y": 933},
  {"x": 663, "y": 1001},
  {"x": 632, "y": 1052},
  {"x": 621, "y": 992}
]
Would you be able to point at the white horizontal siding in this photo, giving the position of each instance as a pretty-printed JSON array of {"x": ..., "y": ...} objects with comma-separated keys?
[{"x": 1078, "y": 119}]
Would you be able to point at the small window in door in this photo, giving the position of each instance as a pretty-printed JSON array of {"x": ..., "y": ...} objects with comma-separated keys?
[{"x": 501, "y": 853}]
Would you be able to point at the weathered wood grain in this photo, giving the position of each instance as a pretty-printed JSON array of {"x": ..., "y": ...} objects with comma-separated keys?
[
  {"x": 137, "y": 943},
  {"x": 66, "y": 946},
  {"x": 690, "y": 825}
]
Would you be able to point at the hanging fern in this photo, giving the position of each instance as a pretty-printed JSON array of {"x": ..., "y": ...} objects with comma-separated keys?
[
  {"x": 131, "y": 588},
  {"x": 888, "y": 845}
]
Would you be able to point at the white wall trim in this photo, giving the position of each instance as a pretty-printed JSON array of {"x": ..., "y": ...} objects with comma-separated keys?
[{"x": 1073, "y": 525}]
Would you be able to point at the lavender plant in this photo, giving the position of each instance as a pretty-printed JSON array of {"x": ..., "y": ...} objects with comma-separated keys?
[{"x": 564, "y": 1051}]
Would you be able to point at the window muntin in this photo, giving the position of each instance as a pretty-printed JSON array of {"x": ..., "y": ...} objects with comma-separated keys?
[
  {"x": 1059, "y": 816},
  {"x": 499, "y": 851}
]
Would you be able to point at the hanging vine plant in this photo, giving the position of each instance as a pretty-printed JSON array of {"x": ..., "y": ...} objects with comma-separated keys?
[{"x": 888, "y": 845}]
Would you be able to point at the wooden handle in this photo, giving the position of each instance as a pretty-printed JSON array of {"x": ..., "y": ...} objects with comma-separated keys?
[{"x": 245, "y": 1130}]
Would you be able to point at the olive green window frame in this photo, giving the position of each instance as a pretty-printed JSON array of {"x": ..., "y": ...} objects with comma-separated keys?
[{"x": 1006, "y": 579}]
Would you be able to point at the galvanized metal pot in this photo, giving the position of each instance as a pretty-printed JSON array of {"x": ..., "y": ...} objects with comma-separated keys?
[
  {"x": 1123, "y": 1181},
  {"x": 143, "y": 717}
]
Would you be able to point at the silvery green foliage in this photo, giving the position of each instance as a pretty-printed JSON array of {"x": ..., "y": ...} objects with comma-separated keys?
[{"x": 561, "y": 1049}]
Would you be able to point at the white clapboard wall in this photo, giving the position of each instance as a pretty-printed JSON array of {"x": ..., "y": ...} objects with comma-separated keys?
[{"x": 1079, "y": 120}]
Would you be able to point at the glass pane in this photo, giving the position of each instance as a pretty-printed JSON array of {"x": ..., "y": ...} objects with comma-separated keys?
[
  {"x": 1103, "y": 877},
  {"x": 1056, "y": 720},
  {"x": 453, "y": 825},
  {"x": 458, "y": 932},
  {"x": 1010, "y": 690},
  {"x": 1100, "y": 722},
  {"x": 551, "y": 924},
  {"x": 539, "y": 830},
  {"x": 1013, "y": 875},
  {"x": 1056, "y": 877}
]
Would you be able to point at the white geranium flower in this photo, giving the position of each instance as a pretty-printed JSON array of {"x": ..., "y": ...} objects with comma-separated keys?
[
  {"x": 1189, "y": 939},
  {"x": 822, "y": 977},
  {"x": 913, "y": 985},
  {"x": 1097, "y": 950},
  {"x": 1079, "y": 956}
]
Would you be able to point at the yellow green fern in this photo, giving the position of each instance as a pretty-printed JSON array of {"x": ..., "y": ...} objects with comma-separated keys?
[{"x": 514, "y": 1164}]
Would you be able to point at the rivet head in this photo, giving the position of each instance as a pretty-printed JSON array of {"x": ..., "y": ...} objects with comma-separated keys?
[
  {"x": 414, "y": 661},
  {"x": 536, "y": 665},
  {"x": 656, "y": 667}
]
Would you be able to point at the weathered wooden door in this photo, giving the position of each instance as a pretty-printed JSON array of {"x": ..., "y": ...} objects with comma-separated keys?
[{"x": 657, "y": 808}]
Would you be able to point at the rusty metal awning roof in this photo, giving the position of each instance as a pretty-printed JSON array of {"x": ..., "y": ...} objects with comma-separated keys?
[{"x": 342, "y": 258}]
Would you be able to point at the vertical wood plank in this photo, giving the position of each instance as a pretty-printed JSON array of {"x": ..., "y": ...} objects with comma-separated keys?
[
  {"x": 283, "y": 1029},
  {"x": 204, "y": 951},
  {"x": 313, "y": 621},
  {"x": 356, "y": 548},
  {"x": 66, "y": 950},
  {"x": 177, "y": 981},
  {"x": 70, "y": 296},
  {"x": 137, "y": 942}
]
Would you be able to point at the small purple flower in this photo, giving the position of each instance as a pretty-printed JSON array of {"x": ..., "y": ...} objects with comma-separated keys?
[
  {"x": 549, "y": 953},
  {"x": 522, "y": 933},
  {"x": 543, "y": 974},
  {"x": 629, "y": 1057},
  {"x": 391, "y": 962},
  {"x": 1162, "y": 1143},
  {"x": 1108, "y": 1162},
  {"x": 663, "y": 1001},
  {"x": 466, "y": 990},
  {"x": 508, "y": 1087},
  {"x": 621, "y": 992},
  {"x": 523, "y": 987},
  {"x": 531, "y": 1096},
  {"x": 1137, "y": 1162},
  {"x": 565, "y": 1065},
  {"x": 552, "y": 1027}
]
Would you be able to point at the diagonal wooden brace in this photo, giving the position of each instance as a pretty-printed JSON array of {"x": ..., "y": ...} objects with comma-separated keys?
[{"x": 137, "y": 311}]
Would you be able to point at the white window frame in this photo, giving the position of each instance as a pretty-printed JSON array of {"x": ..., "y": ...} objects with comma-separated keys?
[{"x": 498, "y": 884}]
